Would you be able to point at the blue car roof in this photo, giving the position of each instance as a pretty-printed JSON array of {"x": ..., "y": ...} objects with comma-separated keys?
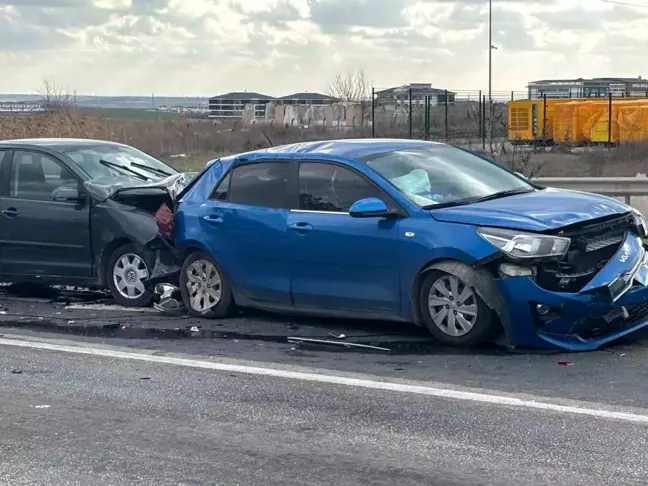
[{"x": 349, "y": 148}]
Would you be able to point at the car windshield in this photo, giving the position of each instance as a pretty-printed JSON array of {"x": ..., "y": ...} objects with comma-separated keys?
[
  {"x": 104, "y": 160},
  {"x": 445, "y": 176}
]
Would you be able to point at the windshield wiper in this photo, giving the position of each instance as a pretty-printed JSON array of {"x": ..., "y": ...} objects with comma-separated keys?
[
  {"x": 124, "y": 169},
  {"x": 499, "y": 194},
  {"x": 151, "y": 169},
  {"x": 472, "y": 200}
]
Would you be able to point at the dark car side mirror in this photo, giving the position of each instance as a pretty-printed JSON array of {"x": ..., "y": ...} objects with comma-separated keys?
[
  {"x": 65, "y": 193},
  {"x": 370, "y": 207}
]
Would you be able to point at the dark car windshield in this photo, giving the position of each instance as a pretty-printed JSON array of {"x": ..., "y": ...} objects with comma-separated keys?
[
  {"x": 105, "y": 160},
  {"x": 444, "y": 175}
]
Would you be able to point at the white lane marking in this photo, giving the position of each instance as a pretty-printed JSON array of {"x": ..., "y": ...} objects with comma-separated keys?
[
  {"x": 338, "y": 380},
  {"x": 108, "y": 307}
]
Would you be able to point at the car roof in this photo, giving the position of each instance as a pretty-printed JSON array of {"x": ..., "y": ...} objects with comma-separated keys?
[
  {"x": 349, "y": 148},
  {"x": 53, "y": 143}
]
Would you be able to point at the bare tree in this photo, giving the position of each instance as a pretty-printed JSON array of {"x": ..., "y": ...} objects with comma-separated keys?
[
  {"x": 352, "y": 86},
  {"x": 56, "y": 98}
]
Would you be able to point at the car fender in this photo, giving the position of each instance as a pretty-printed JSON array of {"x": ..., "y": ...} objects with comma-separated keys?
[{"x": 478, "y": 278}]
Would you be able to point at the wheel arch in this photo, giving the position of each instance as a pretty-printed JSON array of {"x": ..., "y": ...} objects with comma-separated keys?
[
  {"x": 104, "y": 257},
  {"x": 477, "y": 277}
]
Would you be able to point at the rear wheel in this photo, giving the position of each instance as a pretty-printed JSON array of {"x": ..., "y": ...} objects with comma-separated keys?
[
  {"x": 454, "y": 312},
  {"x": 205, "y": 289}
]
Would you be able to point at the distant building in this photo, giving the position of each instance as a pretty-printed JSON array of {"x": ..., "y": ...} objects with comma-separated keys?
[
  {"x": 307, "y": 99},
  {"x": 20, "y": 107},
  {"x": 231, "y": 105},
  {"x": 588, "y": 88},
  {"x": 400, "y": 94}
]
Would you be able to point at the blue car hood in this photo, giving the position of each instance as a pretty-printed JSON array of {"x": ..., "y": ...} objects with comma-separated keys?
[{"x": 544, "y": 210}]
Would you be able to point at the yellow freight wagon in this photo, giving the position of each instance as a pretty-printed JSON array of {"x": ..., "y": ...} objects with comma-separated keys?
[{"x": 527, "y": 121}]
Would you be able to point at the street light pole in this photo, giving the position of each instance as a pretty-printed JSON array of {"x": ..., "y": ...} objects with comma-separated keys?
[{"x": 490, "y": 71}]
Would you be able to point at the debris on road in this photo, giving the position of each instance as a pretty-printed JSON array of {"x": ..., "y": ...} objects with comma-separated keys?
[
  {"x": 42, "y": 406},
  {"x": 168, "y": 299},
  {"x": 194, "y": 329},
  {"x": 299, "y": 340},
  {"x": 565, "y": 363},
  {"x": 16, "y": 371},
  {"x": 341, "y": 336}
]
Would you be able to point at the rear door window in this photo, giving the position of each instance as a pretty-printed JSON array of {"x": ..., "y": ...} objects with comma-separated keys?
[{"x": 261, "y": 184}]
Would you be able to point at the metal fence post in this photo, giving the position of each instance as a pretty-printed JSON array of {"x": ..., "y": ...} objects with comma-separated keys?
[
  {"x": 544, "y": 118},
  {"x": 512, "y": 96},
  {"x": 446, "y": 115},
  {"x": 479, "y": 114},
  {"x": 373, "y": 113},
  {"x": 410, "y": 113},
  {"x": 483, "y": 115},
  {"x": 427, "y": 118},
  {"x": 610, "y": 120}
]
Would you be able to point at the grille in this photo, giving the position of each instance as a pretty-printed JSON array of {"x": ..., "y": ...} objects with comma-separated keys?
[
  {"x": 592, "y": 246},
  {"x": 592, "y": 328}
]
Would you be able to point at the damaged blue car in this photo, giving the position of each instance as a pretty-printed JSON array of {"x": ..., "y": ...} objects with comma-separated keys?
[{"x": 411, "y": 231}]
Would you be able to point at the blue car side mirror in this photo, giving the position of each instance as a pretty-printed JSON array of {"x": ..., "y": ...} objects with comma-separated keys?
[{"x": 370, "y": 207}]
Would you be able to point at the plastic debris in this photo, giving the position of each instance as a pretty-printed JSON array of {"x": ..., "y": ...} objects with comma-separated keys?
[
  {"x": 169, "y": 299},
  {"x": 565, "y": 363},
  {"x": 194, "y": 329},
  {"x": 16, "y": 371},
  {"x": 42, "y": 406},
  {"x": 341, "y": 336},
  {"x": 298, "y": 340}
]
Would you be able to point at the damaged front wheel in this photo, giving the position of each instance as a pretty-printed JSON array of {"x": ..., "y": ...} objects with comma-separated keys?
[
  {"x": 127, "y": 272},
  {"x": 454, "y": 312},
  {"x": 205, "y": 290}
]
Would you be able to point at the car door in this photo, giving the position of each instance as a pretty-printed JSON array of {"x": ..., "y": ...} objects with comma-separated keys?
[
  {"x": 41, "y": 236},
  {"x": 244, "y": 227},
  {"x": 338, "y": 262}
]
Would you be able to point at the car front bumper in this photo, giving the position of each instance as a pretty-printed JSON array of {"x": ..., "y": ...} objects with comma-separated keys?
[{"x": 612, "y": 305}]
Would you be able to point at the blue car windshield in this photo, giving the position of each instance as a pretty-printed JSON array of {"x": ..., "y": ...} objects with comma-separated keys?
[{"x": 444, "y": 175}]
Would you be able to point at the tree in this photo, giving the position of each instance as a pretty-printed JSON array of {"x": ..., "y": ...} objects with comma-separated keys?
[
  {"x": 56, "y": 98},
  {"x": 352, "y": 87}
]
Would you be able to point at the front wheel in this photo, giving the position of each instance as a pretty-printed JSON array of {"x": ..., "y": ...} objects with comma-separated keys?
[
  {"x": 454, "y": 312},
  {"x": 205, "y": 289},
  {"x": 126, "y": 272}
]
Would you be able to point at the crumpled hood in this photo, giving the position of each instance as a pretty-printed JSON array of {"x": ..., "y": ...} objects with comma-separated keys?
[
  {"x": 544, "y": 210},
  {"x": 107, "y": 187}
]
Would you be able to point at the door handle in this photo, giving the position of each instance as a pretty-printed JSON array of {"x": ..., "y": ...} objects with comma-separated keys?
[
  {"x": 10, "y": 212},
  {"x": 213, "y": 218},
  {"x": 301, "y": 227}
]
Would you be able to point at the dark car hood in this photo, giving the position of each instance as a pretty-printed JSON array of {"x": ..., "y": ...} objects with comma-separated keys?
[
  {"x": 544, "y": 210},
  {"x": 109, "y": 187}
]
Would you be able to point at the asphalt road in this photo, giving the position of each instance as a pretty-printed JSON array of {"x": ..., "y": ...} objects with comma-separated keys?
[{"x": 103, "y": 396}]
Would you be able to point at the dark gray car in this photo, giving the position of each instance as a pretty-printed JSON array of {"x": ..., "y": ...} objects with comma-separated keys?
[{"x": 80, "y": 212}]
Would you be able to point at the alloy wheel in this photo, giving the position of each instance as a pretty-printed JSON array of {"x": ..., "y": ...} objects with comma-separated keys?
[{"x": 453, "y": 306}]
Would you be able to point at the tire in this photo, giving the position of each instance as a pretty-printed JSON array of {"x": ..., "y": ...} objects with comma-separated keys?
[
  {"x": 217, "y": 301},
  {"x": 125, "y": 272},
  {"x": 467, "y": 322}
]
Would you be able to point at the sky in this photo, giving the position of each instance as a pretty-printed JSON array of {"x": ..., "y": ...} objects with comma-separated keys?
[{"x": 277, "y": 47}]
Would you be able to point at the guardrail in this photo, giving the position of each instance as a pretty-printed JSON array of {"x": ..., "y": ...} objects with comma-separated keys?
[{"x": 625, "y": 187}]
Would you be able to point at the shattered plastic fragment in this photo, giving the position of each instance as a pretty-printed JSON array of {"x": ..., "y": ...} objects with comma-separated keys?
[{"x": 565, "y": 363}]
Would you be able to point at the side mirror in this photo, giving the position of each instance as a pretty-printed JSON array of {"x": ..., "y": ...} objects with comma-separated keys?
[
  {"x": 522, "y": 176},
  {"x": 65, "y": 193},
  {"x": 369, "y": 208}
]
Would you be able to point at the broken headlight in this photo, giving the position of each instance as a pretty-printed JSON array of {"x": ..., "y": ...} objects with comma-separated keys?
[
  {"x": 520, "y": 245},
  {"x": 640, "y": 223}
]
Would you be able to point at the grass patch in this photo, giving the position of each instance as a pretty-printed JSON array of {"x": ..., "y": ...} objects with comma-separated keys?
[{"x": 129, "y": 114}]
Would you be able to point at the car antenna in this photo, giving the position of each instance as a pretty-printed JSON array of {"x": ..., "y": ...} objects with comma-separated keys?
[{"x": 267, "y": 138}]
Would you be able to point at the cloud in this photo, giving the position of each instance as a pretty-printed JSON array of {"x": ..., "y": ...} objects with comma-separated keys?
[{"x": 279, "y": 46}]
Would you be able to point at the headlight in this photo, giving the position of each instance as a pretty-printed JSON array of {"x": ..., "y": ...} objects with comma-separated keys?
[
  {"x": 517, "y": 244},
  {"x": 640, "y": 223}
]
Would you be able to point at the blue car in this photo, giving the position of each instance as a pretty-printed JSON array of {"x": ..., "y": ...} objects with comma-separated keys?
[{"x": 411, "y": 231}]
